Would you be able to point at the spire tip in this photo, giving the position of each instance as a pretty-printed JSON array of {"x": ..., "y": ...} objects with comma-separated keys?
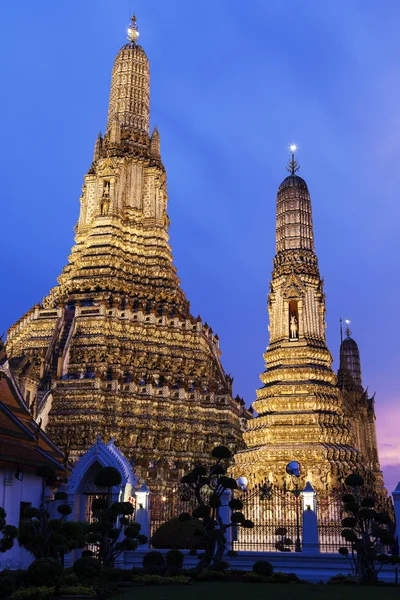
[
  {"x": 133, "y": 32},
  {"x": 293, "y": 165}
]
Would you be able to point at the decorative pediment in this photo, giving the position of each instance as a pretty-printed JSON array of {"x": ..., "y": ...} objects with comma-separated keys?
[
  {"x": 106, "y": 455},
  {"x": 107, "y": 167},
  {"x": 293, "y": 287}
]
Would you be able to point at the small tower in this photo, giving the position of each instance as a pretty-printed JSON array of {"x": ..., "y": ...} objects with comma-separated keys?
[
  {"x": 155, "y": 143},
  {"x": 349, "y": 374},
  {"x": 300, "y": 414},
  {"x": 359, "y": 407},
  {"x": 97, "y": 147}
]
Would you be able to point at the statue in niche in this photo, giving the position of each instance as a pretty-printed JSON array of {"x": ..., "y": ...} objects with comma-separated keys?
[
  {"x": 105, "y": 199},
  {"x": 293, "y": 327}
]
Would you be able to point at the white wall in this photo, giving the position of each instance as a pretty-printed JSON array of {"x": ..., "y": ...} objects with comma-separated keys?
[{"x": 12, "y": 493}]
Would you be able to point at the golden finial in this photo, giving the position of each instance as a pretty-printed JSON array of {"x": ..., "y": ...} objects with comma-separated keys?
[
  {"x": 293, "y": 165},
  {"x": 133, "y": 32}
]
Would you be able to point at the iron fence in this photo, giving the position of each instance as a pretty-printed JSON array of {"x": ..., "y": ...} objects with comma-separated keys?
[{"x": 277, "y": 517}]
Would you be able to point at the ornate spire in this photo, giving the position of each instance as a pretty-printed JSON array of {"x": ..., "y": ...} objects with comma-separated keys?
[
  {"x": 293, "y": 165},
  {"x": 294, "y": 227},
  {"x": 133, "y": 32},
  {"x": 130, "y": 86}
]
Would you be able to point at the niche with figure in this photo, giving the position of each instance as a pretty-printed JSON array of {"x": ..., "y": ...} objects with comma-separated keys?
[
  {"x": 105, "y": 199},
  {"x": 293, "y": 320}
]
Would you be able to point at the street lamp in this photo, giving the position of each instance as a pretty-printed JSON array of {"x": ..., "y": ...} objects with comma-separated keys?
[{"x": 293, "y": 469}]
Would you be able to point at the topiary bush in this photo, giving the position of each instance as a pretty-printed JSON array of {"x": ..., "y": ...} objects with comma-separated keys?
[
  {"x": 174, "y": 560},
  {"x": 154, "y": 563},
  {"x": 7, "y": 586},
  {"x": 33, "y": 593},
  {"x": 176, "y": 533},
  {"x": 211, "y": 575},
  {"x": 70, "y": 580},
  {"x": 341, "y": 579},
  {"x": 141, "y": 580},
  {"x": 280, "y": 577},
  {"x": 20, "y": 576},
  {"x": 263, "y": 568},
  {"x": 45, "y": 572},
  {"x": 87, "y": 568},
  {"x": 77, "y": 590}
]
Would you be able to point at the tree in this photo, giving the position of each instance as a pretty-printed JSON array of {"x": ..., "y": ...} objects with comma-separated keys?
[
  {"x": 8, "y": 532},
  {"x": 51, "y": 538},
  {"x": 113, "y": 530},
  {"x": 208, "y": 487},
  {"x": 366, "y": 530}
]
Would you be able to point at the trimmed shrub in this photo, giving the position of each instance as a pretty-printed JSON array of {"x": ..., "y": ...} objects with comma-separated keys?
[
  {"x": 141, "y": 580},
  {"x": 87, "y": 568},
  {"x": 154, "y": 562},
  {"x": 33, "y": 593},
  {"x": 45, "y": 572},
  {"x": 7, "y": 586},
  {"x": 177, "y": 533},
  {"x": 20, "y": 577},
  {"x": 107, "y": 477},
  {"x": 251, "y": 577},
  {"x": 78, "y": 590},
  {"x": 70, "y": 580},
  {"x": 341, "y": 579},
  {"x": 209, "y": 575},
  {"x": 263, "y": 568},
  {"x": 280, "y": 577},
  {"x": 118, "y": 575},
  {"x": 221, "y": 452},
  {"x": 174, "y": 558}
]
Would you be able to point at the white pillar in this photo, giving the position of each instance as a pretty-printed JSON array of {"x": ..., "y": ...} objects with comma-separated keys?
[
  {"x": 143, "y": 512},
  {"x": 225, "y": 514},
  {"x": 396, "y": 502},
  {"x": 310, "y": 521}
]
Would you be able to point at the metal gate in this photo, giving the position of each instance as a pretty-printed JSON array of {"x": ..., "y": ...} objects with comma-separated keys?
[{"x": 277, "y": 517}]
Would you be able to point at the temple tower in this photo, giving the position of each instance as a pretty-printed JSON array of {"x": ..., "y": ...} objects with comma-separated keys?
[
  {"x": 359, "y": 407},
  {"x": 113, "y": 349},
  {"x": 300, "y": 412}
]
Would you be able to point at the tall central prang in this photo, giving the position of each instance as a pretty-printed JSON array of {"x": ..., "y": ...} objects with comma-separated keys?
[
  {"x": 113, "y": 350},
  {"x": 300, "y": 413}
]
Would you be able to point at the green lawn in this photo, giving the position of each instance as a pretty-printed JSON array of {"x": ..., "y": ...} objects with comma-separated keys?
[{"x": 259, "y": 591}]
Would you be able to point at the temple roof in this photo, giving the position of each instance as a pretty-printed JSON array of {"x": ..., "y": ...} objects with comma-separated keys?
[{"x": 21, "y": 439}]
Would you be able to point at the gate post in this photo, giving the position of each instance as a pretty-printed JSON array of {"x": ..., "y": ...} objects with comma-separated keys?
[
  {"x": 225, "y": 514},
  {"x": 310, "y": 521},
  {"x": 143, "y": 512},
  {"x": 396, "y": 502}
]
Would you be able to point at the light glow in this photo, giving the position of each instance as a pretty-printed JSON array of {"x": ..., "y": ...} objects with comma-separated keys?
[
  {"x": 293, "y": 148},
  {"x": 347, "y": 322}
]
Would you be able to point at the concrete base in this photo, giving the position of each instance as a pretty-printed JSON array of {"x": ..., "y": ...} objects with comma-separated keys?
[{"x": 312, "y": 567}]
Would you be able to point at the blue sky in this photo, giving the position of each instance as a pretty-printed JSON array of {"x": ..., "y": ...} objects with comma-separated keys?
[{"x": 233, "y": 84}]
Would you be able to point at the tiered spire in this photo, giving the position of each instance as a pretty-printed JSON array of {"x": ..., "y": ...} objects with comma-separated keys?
[
  {"x": 294, "y": 225},
  {"x": 299, "y": 408},
  {"x": 115, "y": 350},
  {"x": 130, "y": 86}
]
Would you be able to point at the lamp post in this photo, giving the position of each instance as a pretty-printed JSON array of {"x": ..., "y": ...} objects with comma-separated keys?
[{"x": 293, "y": 469}]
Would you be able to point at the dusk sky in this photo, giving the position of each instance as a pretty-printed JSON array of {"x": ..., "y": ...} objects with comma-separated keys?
[{"x": 233, "y": 84}]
